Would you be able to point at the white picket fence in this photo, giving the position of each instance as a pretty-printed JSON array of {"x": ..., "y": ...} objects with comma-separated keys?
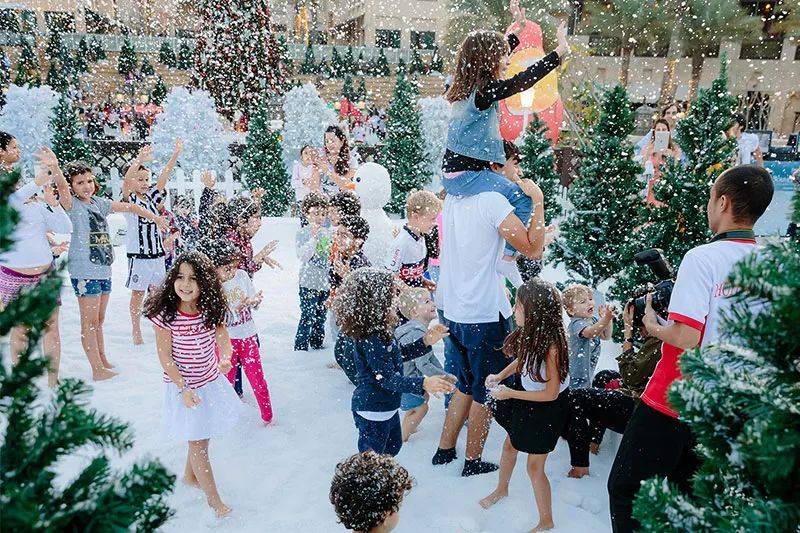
[{"x": 179, "y": 184}]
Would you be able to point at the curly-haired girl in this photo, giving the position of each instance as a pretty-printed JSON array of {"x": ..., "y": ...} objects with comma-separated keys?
[
  {"x": 367, "y": 313},
  {"x": 188, "y": 315}
]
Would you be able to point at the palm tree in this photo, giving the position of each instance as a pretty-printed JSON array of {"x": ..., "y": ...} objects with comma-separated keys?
[
  {"x": 698, "y": 27},
  {"x": 632, "y": 23}
]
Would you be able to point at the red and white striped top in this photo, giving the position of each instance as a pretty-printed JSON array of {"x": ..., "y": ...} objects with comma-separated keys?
[{"x": 193, "y": 348}]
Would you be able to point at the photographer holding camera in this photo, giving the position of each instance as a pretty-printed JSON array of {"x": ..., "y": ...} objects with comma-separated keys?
[
  {"x": 610, "y": 401},
  {"x": 656, "y": 442}
]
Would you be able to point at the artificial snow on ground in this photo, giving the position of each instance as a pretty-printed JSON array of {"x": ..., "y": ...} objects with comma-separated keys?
[{"x": 277, "y": 477}]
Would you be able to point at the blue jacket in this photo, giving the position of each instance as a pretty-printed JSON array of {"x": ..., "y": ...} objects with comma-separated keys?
[
  {"x": 379, "y": 368},
  {"x": 475, "y": 133}
]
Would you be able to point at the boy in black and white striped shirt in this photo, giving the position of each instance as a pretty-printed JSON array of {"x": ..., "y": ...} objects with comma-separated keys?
[{"x": 146, "y": 266}]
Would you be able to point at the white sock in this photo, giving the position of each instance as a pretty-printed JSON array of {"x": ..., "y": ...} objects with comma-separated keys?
[{"x": 507, "y": 267}]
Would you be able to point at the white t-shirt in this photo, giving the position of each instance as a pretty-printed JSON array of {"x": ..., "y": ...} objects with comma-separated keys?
[
  {"x": 408, "y": 254},
  {"x": 299, "y": 173},
  {"x": 530, "y": 385},
  {"x": 239, "y": 323},
  {"x": 470, "y": 291},
  {"x": 700, "y": 298}
]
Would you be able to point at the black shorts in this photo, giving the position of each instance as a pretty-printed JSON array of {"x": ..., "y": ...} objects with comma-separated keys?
[{"x": 533, "y": 427}]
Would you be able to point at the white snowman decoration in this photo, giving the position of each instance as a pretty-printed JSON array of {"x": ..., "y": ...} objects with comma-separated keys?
[{"x": 374, "y": 189}]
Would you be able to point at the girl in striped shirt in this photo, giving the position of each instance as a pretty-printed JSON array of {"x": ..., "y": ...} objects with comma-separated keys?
[{"x": 188, "y": 315}]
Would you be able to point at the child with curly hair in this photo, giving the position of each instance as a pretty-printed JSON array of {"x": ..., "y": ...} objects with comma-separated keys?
[{"x": 367, "y": 490}]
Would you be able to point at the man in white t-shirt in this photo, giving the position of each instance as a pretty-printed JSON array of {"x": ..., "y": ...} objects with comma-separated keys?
[
  {"x": 476, "y": 308},
  {"x": 656, "y": 442}
]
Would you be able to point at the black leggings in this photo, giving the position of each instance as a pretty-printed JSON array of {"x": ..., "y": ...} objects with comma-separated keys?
[{"x": 654, "y": 444}]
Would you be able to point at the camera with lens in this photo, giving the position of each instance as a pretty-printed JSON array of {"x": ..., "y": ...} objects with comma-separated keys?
[{"x": 662, "y": 290}]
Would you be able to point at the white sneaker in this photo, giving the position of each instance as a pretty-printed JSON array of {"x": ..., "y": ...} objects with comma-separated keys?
[{"x": 506, "y": 266}]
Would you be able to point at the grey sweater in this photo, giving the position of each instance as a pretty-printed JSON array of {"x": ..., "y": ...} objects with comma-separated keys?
[
  {"x": 313, "y": 254},
  {"x": 426, "y": 365}
]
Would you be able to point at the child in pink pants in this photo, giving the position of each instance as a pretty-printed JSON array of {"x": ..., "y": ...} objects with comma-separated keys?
[{"x": 242, "y": 299}]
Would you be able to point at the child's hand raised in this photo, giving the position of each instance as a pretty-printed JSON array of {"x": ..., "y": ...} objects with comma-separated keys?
[
  {"x": 436, "y": 333},
  {"x": 208, "y": 179},
  {"x": 255, "y": 301},
  {"x": 501, "y": 392},
  {"x": 436, "y": 385},
  {"x": 606, "y": 313}
]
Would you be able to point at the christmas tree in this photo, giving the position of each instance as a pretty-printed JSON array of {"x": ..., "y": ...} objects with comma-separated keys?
[
  {"x": 262, "y": 165},
  {"x": 363, "y": 67},
  {"x": 283, "y": 54},
  {"x": 42, "y": 430},
  {"x": 82, "y": 56},
  {"x": 361, "y": 91},
  {"x": 5, "y": 77},
  {"x": 57, "y": 77},
  {"x": 126, "y": 64},
  {"x": 146, "y": 68},
  {"x": 305, "y": 119},
  {"x": 309, "y": 64},
  {"x": 97, "y": 51},
  {"x": 337, "y": 64},
  {"x": 27, "y": 66},
  {"x": 404, "y": 149},
  {"x": 159, "y": 92},
  {"x": 55, "y": 50},
  {"x": 740, "y": 399},
  {"x": 401, "y": 67},
  {"x": 347, "y": 89},
  {"x": 323, "y": 69},
  {"x": 185, "y": 59},
  {"x": 416, "y": 65},
  {"x": 166, "y": 55},
  {"x": 685, "y": 187},
  {"x": 236, "y": 58},
  {"x": 350, "y": 65},
  {"x": 381, "y": 65},
  {"x": 67, "y": 144},
  {"x": 539, "y": 164},
  {"x": 605, "y": 197}
]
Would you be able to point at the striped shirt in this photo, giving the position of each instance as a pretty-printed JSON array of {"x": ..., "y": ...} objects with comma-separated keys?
[
  {"x": 194, "y": 348},
  {"x": 144, "y": 237}
]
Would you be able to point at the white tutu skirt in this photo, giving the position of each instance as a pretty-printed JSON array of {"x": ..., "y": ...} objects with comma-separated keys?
[{"x": 217, "y": 413}]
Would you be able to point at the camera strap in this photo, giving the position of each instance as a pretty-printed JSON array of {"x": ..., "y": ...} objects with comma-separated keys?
[{"x": 736, "y": 235}]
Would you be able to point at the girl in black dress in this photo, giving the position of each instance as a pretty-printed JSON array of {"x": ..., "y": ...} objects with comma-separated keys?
[{"x": 532, "y": 407}]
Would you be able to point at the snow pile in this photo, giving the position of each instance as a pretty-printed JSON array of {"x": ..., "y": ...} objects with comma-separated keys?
[
  {"x": 27, "y": 116},
  {"x": 435, "y": 114},
  {"x": 192, "y": 117}
]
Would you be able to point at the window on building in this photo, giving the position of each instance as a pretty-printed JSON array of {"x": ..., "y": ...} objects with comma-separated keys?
[
  {"x": 98, "y": 23},
  {"x": 425, "y": 40},
  {"x": 8, "y": 20},
  {"x": 797, "y": 53},
  {"x": 387, "y": 38},
  {"x": 755, "y": 107},
  {"x": 59, "y": 21},
  {"x": 603, "y": 46},
  {"x": 185, "y": 33},
  {"x": 656, "y": 47},
  {"x": 765, "y": 47},
  {"x": 27, "y": 21}
]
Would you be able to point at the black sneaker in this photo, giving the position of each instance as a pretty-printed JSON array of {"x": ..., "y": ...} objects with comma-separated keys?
[
  {"x": 474, "y": 467},
  {"x": 442, "y": 457}
]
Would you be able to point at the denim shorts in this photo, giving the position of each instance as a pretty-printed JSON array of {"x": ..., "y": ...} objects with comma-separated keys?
[
  {"x": 410, "y": 401},
  {"x": 91, "y": 287}
]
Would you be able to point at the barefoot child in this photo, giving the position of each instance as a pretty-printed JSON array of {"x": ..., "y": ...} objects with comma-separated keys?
[
  {"x": 188, "y": 316},
  {"x": 473, "y": 136},
  {"x": 534, "y": 409},
  {"x": 416, "y": 306},
  {"x": 90, "y": 256},
  {"x": 585, "y": 333},
  {"x": 242, "y": 299},
  {"x": 366, "y": 309},
  {"x": 367, "y": 490},
  {"x": 146, "y": 256}
]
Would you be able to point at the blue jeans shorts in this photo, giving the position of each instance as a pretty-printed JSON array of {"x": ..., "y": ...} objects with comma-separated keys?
[
  {"x": 91, "y": 287},
  {"x": 410, "y": 401}
]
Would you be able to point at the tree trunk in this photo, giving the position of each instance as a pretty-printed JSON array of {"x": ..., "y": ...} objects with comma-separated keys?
[
  {"x": 668, "y": 85},
  {"x": 625, "y": 68},
  {"x": 697, "y": 70}
]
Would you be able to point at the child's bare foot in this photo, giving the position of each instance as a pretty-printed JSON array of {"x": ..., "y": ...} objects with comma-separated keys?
[
  {"x": 543, "y": 525},
  {"x": 578, "y": 472},
  {"x": 334, "y": 366},
  {"x": 106, "y": 363},
  {"x": 103, "y": 374},
  {"x": 191, "y": 481},
  {"x": 493, "y": 498},
  {"x": 137, "y": 339},
  {"x": 594, "y": 448},
  {"x": 220, "y": 509}
]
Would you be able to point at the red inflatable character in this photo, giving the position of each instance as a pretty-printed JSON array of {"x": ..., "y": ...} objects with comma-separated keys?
[{"x": 542, "y": 99}]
